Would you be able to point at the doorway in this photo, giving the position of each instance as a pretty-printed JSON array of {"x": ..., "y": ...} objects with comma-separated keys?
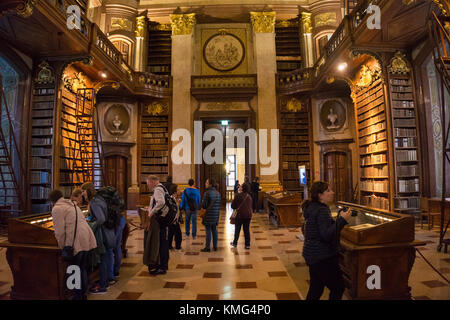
[
  {"x": 336, "y": 174},
  {"x": 116, "y": 173}
]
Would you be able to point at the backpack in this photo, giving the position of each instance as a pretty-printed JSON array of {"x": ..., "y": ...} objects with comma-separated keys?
[
  {"x": 115, "y": 205},
  {"x": 169, "y": 212},
  {"x": 191, "y": 202}
]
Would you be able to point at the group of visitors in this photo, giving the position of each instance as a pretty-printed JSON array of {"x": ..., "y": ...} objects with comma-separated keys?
[{"x": 95, "y": 241}]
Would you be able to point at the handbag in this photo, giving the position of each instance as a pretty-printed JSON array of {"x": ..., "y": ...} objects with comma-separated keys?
[
  {"x": 235, "y": 211},
  {"x": 68, "y": 251}
]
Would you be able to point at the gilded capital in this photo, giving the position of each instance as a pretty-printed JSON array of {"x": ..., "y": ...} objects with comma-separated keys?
[
  {"x": 306, "y": 22},
  {"x": 263, "y": 22},
  {"x": 182, "y": 23},
  {"x": 140, "y": 26}
]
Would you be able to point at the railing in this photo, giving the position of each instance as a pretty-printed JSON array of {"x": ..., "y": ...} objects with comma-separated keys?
[
  {"x": 224, "y": 81},
  {"x": 146, "y": 82},
  {"x": 338, "y": 37},
  {"x": 295, "y": 78},
  {"x": 102, "y": 42}
]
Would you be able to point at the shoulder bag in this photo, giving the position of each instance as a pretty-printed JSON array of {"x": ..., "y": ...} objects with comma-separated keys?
[{"x": 235, "y": 211}]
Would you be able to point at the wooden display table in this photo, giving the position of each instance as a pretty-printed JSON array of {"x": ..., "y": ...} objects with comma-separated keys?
[
  {"x": 378, "y": 238},
  {"x": 284, "y": 208}
]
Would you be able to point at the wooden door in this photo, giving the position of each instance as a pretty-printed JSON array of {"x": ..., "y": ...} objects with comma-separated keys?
[
  {"x": 336, "y": 174},
  {"x": 116, "y": 174}
]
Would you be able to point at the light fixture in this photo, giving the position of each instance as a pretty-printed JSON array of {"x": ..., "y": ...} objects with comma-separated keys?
[
  {"x": 103, "y": 74},
  {"x": 342, "y": 66},
  {"x": 224, "y": 122}
]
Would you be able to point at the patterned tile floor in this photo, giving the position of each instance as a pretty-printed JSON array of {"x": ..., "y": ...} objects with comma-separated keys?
[{"x": 272, "y": 269}]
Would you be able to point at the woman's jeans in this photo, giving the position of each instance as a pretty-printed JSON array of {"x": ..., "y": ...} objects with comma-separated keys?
[
  {"x": 191, "y": 215},
  {"x": 81, "y": 260},
  {"x": 116, "y": 259},
  {"x": 105, "y": 268},
  {"x": 246, "y": 224},
  {"x": 326, "y": 273},
  {"x": 211, "y": 229}
]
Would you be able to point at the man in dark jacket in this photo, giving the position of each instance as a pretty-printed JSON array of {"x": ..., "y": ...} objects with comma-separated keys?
[
  {"x": 320, "y": 247},
  {"x": 211, "y": 202},
  {"x": 255, "y": 190},
  {"x": 249, "y": 186}
]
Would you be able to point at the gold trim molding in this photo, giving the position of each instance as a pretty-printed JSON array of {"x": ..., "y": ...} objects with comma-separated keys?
[
  {"x": 140, "y": 27},
  {"x": 156, "y": 108},
  {"x": 294, "y": 105},
  {"x": 263, "y": 22},
  {"x": 182, "y": 24},
  {"x": 306, "y": 22},
  {"x": 399, "y": 64}
]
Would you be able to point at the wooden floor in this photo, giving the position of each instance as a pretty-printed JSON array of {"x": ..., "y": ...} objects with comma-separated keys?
[{"x": 272, "y": 269}]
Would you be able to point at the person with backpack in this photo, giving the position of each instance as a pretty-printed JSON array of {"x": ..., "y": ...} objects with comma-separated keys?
[
  {"x": 174, "y": 227},
  {"x": 98, "y": 216},
  {"x": 190, "y": 202},
  {"x": 242, "y": 203},
  {"x": 162, "y": 212},
  {"x": 71, "y": 229},
  {"x": 211, "y": 203}
]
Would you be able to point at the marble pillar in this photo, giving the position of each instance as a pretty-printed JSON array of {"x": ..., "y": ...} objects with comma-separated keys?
[
  {"x": 306, "y": 38},
  {"x": 141, "y": 44},
  {"x": 182, "y": 66}
]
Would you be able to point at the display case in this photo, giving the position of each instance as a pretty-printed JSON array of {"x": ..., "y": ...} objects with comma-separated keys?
[
  {"x": 377, "y": 240},
  {"x": 284, "y": 208}
]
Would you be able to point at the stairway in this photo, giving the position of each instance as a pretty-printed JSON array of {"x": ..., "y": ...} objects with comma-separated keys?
[
  {"x": 11, "y": 202},
  {"x": 89, "y": 139}
]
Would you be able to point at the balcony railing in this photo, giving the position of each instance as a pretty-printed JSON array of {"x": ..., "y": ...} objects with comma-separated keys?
[{"x": 294, "y": 79}]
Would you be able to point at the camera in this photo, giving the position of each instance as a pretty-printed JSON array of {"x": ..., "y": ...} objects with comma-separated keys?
[{"x": 341, "y": 208}]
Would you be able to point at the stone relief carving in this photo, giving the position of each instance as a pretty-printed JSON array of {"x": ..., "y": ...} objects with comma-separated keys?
[
  {"x": 325, "y": 19},
  {"x": 263, "y": 22},
  {"x": 121, "y": 24},
  {"x": 223, "y": 52}
]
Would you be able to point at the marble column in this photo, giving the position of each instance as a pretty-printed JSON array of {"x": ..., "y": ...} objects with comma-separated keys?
[
  {"x": 306, "y": 40},
  {"x": 182, "y": 66},
  {"x": 265, "y": 60},
  {"x": 141, "y": 44}
]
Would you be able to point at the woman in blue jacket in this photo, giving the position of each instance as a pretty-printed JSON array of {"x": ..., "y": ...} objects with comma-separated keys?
[
  {"x": 320, "y": 250},
  {"x": 211, "y": 202}
]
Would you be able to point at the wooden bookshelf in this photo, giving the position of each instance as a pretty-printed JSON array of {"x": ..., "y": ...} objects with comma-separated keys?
[
  {"x": 287, "y": 43},
  {"x": 154, "y": 147},
  {"x": 41, "y": 159},
  {"x": 159, "y": 49},
  {"x": 373, "y": 146},
  {"x": 295, "y": 147},
  {"x": 405, "y": 143}
]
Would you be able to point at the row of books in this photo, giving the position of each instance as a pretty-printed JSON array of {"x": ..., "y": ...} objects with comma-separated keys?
[
  {"x": 160, "y": 160},
  {"x": 293, "y": 157},
  {"x": 405, "y": 142},
  {"x": 155, "y": 135},
  {"x": 41, "y": 163},
  {"x": 289, "y": 132},
  {"x": 155, "y": 153},
  {"x": 155, "y": 124},
  {"x": 406, "y": 155},
  {"x": 410, "y": 203},
  {"x": 403, "y": 104},
  {"x": 405, "y": 122},
  {"x": 294, "y": 121},
  {"x": 154, "y": 141},
  {"x": 69, "y": 126},
  {"x": 42, "y": 122},
  {"x": 294, "y": 126},
  {"x": 35, "y": 141},
  {"x": 400, "y": 82},
  {"x": 365, "y": 93},
  {"x": 42, "y": 113},
  {"x": 147, "y": 129},
  {"x": 295, "y": 138},
  {"x": 69, "y": 152},
  {"x": 154, "y": 168},
  {"x": 366, "y": 106},
  {"x": 68, "y": 117},
  {"x": 292, "y": 144},
  {"x": 292, "y": 165},
  {"x": 41, "y": 91},
  {"x": 42, "y": 131},
  {"x": 372, "y": 120},
  {"x": 375, "y": 202},
  {"x": 401, "y": 89},
  {"x": 408, "y": 185},
  {"x": 69, "y": 164},
  {"x": 290, "y": 174},
  {"x": 293, "y": 115},
  {"x": 40, "y": 177},
  {"x": 373, "y": 128},
  {"x": 43, "y": 105},
  {"x": 370, "y": 113},
  {"x": 380, "y": 171},
  {"x": 401, "y": 96},
  {"x": 41, "y": 152},
  {"x": 405, "y": 132},
  {"x": 287, "y": 150},
  {"x": 380, "y": 146},
  {"x": 70, "y": 177},
  {"x": 408, "y": 170},
  {"x": 403, "y": 113},
  {"x": 373, "y": 159},
  {"x": 373, "y": 138},
  {"x": 39, "y": 192},
  {"x": 374, "y": 185}
]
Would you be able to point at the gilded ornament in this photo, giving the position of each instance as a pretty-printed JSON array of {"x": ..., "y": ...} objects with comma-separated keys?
[
  {"x": 447, "y": 27},
  {"x": 294, "y": 105},
  {"x": 122, "y": 24},
  {"x": 263, "y": 22},
  {"x": 367, "y": 77},
  {"x": 286, "y": 23},
  {"x": 182, "y": 24},
  {"x": 108, "y": 83},
  {"x": 78, "y": 81},
  {"x": 140, "y": 26},
  {"x": 440, "y": 4},
  {"x": 306, "y": 22},
  {"x": 330, "y": 79},
  {"x": 408, "y": 2},
  {"x": 45, "y": 74},
  {"x": 25, "y": 9},
  {"x": 325, "y": 19},
  {"x": 399, "y": 64},
  {"x": 155, "y": 108}
]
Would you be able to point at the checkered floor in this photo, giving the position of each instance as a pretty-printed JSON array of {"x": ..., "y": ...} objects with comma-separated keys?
[{"x": 272, "y": 269}]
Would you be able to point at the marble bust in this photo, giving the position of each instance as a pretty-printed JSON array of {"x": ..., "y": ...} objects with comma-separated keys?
[{"x": 332, "y": 117}]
